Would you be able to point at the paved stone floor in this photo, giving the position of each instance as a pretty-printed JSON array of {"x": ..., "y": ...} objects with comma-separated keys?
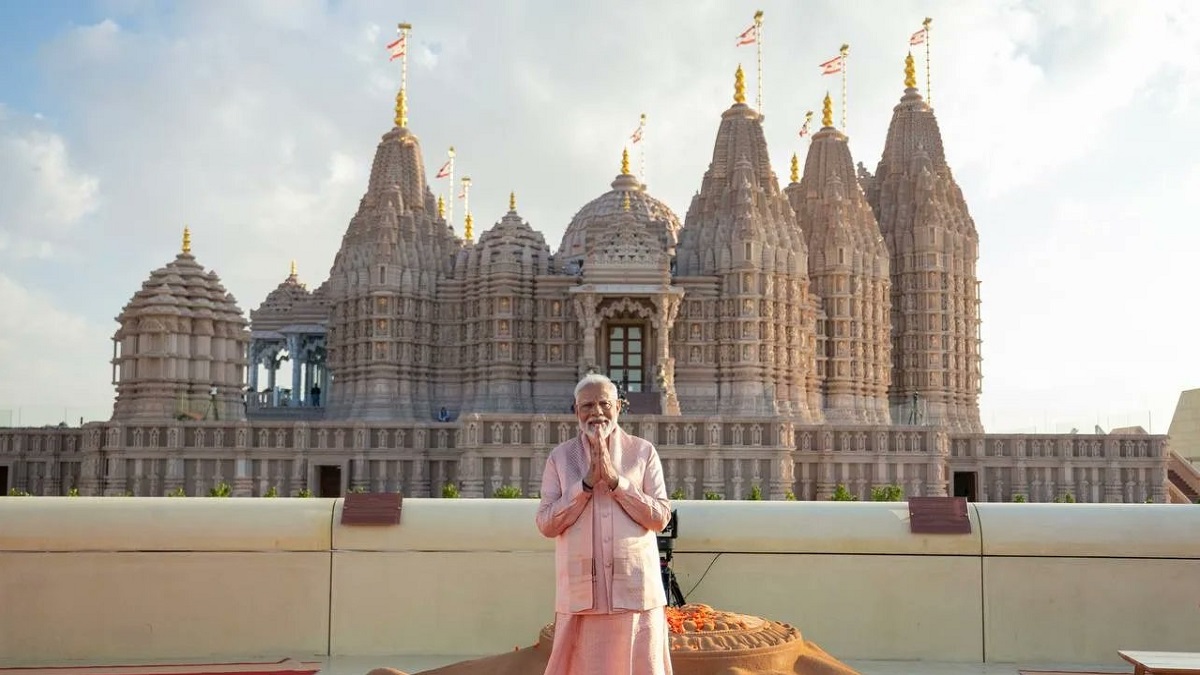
[{"x": 359, "y": 665}]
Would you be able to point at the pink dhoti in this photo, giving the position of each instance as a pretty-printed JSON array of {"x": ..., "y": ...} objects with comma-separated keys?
[{"x": 625, "y": 643}]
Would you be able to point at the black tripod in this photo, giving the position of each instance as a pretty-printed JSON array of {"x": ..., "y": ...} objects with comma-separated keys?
[{"x": 666, "y": 553}]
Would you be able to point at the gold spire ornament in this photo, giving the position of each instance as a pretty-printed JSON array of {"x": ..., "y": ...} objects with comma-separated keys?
[
  {"x": 625, "y": 162},
  {"x": 795, "y": 168},
  {"x": 512, "y": 202},
  {"x": 187, "y": 240},
  {"x": 293, "y": 271},
  {"x": 441, "y": 207},
  {"x": 910, "y": 72},
  {"x": 468, "y": 231},
  {"x": 739, "y": 86},
  {"x": 827, "y": 111}
]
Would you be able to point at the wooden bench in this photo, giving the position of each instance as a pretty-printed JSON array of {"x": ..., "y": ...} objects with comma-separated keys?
[{"x": 1160, "y": 663}]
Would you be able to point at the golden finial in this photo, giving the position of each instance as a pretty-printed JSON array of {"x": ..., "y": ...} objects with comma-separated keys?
[
  {"x": 625, "y": 162},
  {"x": 827, "y": 111},
  {"x": 441, "y": 208},
  {"x": 512, "y": 202},
  {"x": 625, "y": 203},
  {"x": 910, "y": 72},
  {"x": 795, "y": 168},
  {"x": 293, "y": 272},
  {"x": 187, "y": 240},
  {"x": 468, "y": 231},
  {"x": 739, "y": 86},
  {"x": 401, "y": 110}
]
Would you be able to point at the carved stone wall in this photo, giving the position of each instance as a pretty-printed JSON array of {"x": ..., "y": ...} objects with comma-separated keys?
[
  {"x": 181, "y": 346},
  {"x": 720, "y": 456},
  {"x": 848, "y": 262},
  {"x": 935, "y": 290}
]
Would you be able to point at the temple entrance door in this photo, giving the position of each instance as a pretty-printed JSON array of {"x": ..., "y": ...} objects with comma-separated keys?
[
  {"x": 329, "y": 481},
  {"x": 964, "y": 485},
  {"x": 626, "y": 356},
  {"x": 4, "y": 480}
]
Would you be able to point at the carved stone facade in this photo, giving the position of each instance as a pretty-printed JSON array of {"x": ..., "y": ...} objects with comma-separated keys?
[
  {"x": 759, "y": 346},
  {"x": 849, "y": 266},
  {"x": 180, "y": 350},
  {"x": 482, "y": 452},
  {"x": 936, "y": 367}
]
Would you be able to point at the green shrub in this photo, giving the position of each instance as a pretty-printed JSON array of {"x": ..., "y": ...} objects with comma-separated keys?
[
  {"x": 271, "y": 492},
  {"x": 713, "y": 495},
  {"x": 887, "y": 493},
  {"x": 841, "y": 494},
  {"x": 18, "y": 492},
  {"x": 221, "y": 490},
  {"x": 177, "y": 492},
  {"x": 678, "y": 494},
  {"x": 304, "y": 493},
  {"x": 450, "y": 491},
  {"x": 1018, "y": 498},
  {"x": 507, "y": 492},
  {"x": 755, "y": 494},
  {"x": 789, "y": 496}
]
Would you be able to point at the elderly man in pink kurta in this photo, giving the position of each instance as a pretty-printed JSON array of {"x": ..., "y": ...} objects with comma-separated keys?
[{"x": 604, "y": 501}]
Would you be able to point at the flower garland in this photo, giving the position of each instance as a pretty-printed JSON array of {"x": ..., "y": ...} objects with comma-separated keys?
[{"x": 690, "y": 619}]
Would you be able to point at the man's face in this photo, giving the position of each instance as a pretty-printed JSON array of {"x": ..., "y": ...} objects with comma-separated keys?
[{"x": 597, "y": 409}]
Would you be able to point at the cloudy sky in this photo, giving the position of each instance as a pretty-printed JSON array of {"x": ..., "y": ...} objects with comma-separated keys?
[{"x": 1070, "y": 127}]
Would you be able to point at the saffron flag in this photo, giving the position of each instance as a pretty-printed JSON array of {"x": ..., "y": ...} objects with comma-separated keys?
[
  {"x": 637, "y": 133},
  {"x": 749, "y": 36},
  {"x": 444, "y": 172},
  {"x": 397, "y": 48},
  {"x": 804, "y": 129},
  {"x": 918, "y": 38},
  {"x": 833, "y": 66}
]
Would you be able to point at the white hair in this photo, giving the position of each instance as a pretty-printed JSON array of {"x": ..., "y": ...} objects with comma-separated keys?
[{"x": 596, "y": 379}]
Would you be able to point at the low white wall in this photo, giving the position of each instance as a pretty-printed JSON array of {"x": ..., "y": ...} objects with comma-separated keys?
[{"x": 145, "y": 578}]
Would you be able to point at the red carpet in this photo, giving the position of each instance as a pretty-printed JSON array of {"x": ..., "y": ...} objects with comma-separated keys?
[{"x": 282, "y": 667}]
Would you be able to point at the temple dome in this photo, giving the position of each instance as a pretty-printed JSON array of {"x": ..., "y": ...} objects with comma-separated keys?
[
  {"x": 599, "y": 215},
  {"x": 288, "y": 294},
  {"x": 181, "y": 346}
]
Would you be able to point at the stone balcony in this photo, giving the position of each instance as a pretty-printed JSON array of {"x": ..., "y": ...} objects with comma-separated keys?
[{"x": 103, "y": 580}]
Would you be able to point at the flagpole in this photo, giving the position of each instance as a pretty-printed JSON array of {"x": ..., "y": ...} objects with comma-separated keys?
[
  {"x": 402, "y": 102},
  {"x": 845, "y": 51},
  {"x": 642, "y": 157},
  {"x": 466, "y": 195},
  {"x": 758, "y": 41},
  {"x": 451, "y": 154},
  {"x": 928, "y": 81}
]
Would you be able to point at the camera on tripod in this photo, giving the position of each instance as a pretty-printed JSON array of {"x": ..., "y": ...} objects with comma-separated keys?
[{"x": 666, "y": 553}]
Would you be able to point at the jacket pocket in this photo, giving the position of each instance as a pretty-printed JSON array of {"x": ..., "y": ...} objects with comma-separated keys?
[{"x": 580, "y": 577}]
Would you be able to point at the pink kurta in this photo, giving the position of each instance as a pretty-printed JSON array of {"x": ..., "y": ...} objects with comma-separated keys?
[{"x": 609, "y": 622}]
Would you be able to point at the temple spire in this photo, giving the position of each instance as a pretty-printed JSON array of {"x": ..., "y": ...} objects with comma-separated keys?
[
  {"x": 625, "y": 162},
  {"x": 468, "y": 230},
  {"x": 910, "y": 72},
  {"x": 795, "y": 168},
  {"x": 441, "y": 207},
  {"x": 187, "y": 240},
  {"x": 512, "y": 202},
  {"x": 827, "y": 111},
  {"x": 293, "y": 271},
  {"x": 739, "y": 86}
]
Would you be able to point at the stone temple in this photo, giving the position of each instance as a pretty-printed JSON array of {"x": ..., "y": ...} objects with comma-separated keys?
[{"x": 779, "y": 342}]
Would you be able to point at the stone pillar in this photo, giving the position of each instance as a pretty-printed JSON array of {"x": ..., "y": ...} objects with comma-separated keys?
[
  {"x": 252, "y": 376},
  {"x": 293, "y": 347},
  {"x": 589, "y": 323},
  {"x": 470, "y": 474},
  {"x": 243, "y": 476}
]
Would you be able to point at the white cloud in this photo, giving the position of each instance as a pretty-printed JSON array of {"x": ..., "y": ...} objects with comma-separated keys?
[
  {"x": 53, "y": 364},
  {"x": 43, "y": 196}
]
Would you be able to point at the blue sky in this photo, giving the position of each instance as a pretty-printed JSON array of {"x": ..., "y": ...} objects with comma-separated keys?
[{"x": 1069, "y": 126}]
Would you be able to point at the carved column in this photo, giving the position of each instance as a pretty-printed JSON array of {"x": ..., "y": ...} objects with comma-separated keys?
[
  {"x": 293, "y": 347},
  {"x": 589, "y": 323},
  {"x": 664, "y": 320}
]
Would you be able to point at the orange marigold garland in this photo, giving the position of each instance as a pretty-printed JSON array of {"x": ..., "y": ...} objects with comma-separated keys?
[{"x": 689, "y": 618}]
